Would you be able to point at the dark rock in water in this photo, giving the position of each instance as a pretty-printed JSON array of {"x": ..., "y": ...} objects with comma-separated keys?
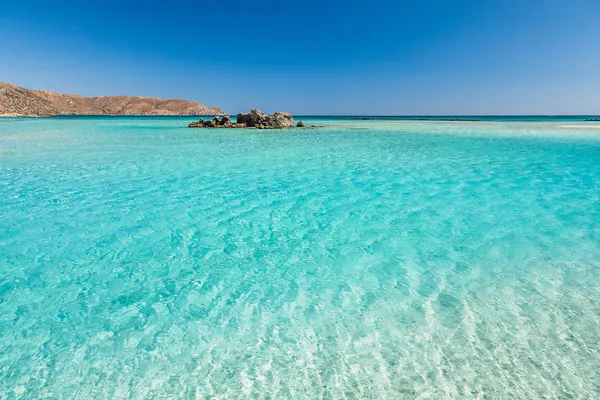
[
  {"x": 300, "y": 124},
  {"x": 253, "y": 119},
  {"x": 366, "y": 119},
  {"x": 592, "y": 120},
  {"x": 243, "y": 118}
]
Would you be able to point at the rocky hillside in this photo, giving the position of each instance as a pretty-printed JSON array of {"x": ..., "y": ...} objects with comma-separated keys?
[{"x": 18, "y": 101}]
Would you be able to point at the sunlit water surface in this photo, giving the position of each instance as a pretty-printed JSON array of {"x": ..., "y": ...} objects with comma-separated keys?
[{"x": 361, "y": 259}]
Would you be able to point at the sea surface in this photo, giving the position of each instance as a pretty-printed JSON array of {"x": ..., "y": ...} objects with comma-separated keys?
[{"x": 361, "y": 259}]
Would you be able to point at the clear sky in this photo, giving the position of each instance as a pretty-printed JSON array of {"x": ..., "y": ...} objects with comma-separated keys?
[{"x": 398, "y": 57}]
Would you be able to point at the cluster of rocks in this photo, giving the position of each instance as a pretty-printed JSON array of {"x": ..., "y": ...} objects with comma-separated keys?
[
  {"x": 260, "y": 120},
  {"x": 254, "y": 119},
  {"x": 216, "y": 122}
]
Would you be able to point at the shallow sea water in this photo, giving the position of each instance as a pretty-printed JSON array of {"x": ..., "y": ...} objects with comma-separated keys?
[{"x": 363, "y": 259}]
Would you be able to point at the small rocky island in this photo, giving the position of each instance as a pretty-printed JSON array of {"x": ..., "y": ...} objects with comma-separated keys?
[{"x": 254, "y": 119}]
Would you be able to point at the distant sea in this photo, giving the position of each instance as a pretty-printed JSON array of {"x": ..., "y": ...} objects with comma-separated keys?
[{"x": 394, "y": 257}]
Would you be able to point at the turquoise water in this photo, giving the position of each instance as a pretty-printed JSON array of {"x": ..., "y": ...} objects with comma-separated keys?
[{"x": 363, "y": 259}]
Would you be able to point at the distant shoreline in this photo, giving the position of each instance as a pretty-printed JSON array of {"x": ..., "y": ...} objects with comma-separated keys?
[
  {"x": 104, "y": 115},
  {"x": 22, "y": 102}
]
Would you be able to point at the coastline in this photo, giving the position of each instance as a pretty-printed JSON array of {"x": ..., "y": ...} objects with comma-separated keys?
[
  {"x": 13, "y": 115},
  {"x": 20, "y": 101}
]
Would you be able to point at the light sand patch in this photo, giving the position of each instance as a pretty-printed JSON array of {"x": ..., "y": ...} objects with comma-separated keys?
[{"x": 580, "y": 126}]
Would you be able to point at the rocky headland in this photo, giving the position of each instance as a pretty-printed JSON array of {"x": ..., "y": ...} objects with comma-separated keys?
[
  {"x": 254, "y": 119},
  {"x": 18, "y": 101}
]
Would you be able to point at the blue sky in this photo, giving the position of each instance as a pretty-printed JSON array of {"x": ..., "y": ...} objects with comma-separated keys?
[{"x": 315, "y": 57}]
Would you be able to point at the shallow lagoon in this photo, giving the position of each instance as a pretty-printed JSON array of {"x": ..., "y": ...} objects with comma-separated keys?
[{"x": 363, "y": 259}]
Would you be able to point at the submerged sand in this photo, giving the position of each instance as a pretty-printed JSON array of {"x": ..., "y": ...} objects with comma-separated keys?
[{"x": 580, "y": 126}]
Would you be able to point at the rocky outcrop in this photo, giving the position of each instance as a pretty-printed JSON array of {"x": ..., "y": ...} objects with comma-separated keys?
[
  {"x": 254, "y": 119},
  {"x": 300, "y": 124},
  {"x": 260, "y": 120},
  {"x": 216, "y": 122},
  {"x": 18, "y": 101},
  {"x": 280, "y": 120}
]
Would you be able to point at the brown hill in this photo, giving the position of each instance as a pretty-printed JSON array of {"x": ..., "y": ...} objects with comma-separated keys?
[{"x": 18, "y": 101}]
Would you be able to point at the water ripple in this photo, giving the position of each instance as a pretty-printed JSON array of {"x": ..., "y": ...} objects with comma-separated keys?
[{"x": 383, "y": 263}]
